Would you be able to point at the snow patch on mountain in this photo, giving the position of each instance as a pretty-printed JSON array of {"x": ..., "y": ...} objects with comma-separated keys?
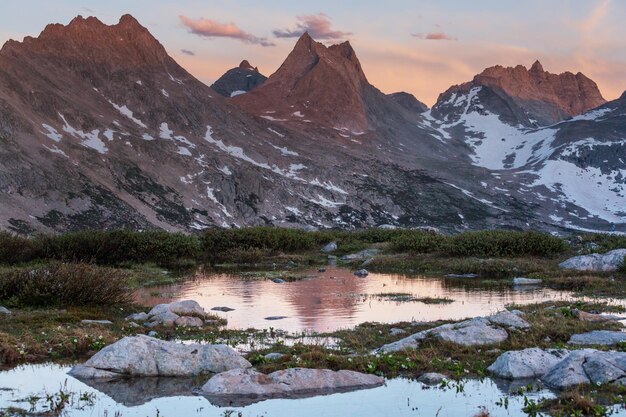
[{"x": 125, "y": 111}]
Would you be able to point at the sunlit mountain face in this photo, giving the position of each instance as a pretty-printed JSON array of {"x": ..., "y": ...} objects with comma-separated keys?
[{"x": 101, "y": 128}]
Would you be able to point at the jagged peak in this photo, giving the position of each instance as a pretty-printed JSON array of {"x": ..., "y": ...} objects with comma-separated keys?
[{"x": 537, "y": 67}]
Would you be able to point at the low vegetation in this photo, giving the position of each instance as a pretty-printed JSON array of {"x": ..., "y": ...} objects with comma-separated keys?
[{"x": 64, "y": 284}]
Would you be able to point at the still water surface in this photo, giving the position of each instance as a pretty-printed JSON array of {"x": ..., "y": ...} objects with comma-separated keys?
[{"x": 336, "y": 299}]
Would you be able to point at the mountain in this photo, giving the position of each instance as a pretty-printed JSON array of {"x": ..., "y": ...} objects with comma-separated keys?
[
  {"x": 531, "y": 97},
  {"x": 101, "y": 128},
  {"x": 409, "y": 102},
  {"x": 239, "y": 80},
  {"x": 522, "y": 128}
]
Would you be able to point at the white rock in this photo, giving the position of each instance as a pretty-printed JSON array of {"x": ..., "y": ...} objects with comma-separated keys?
[
  {"x": 527, "y": 363},
  {"x": 145, "y": 356},
  {"x": 610, "y": 261}
]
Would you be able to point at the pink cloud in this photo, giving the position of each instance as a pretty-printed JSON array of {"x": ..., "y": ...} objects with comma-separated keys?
[
  {"x": 434, "y": 36},
  {"x": 211, "y": 29},
  {"x": 319, "y": 26}
]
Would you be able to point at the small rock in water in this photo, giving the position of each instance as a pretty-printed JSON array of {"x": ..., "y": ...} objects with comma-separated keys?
[
  {"x": 272, "y": 318},
  {"x": 278, "y": 281},
  {"x": 462, "y": 276},
  {"x": 274, "y": 356},
  {"x": 431, "y": 378},
  {"x": 97, "y": 322},
  {"x": 321, "y": 270},
  {"x": 223, "y": 309},
  {"x": 152, "y": 333},
  {"x": 240, "y": 387},
  {"x": 361, "y": 273},
  {"x": 330, "y": 248},
  {"x": 4, "y": 311},
  {"x": 526, "y": 281}
]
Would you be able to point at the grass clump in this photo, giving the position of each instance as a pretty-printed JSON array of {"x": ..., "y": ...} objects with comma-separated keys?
[
  {"x": 606, "y": 242},
  {"x": 417, "y": 241},
  {"x": 64, "y": 284},
  {"x": 501, "y": 243}
]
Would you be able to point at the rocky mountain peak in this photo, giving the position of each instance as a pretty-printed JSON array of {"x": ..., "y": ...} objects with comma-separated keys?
[
  {"x": 126, "y": 44},
  {"x": 325, "y": 84},
  {"x": 246, "y": 66},
  {"x": 536, "y": 68}
]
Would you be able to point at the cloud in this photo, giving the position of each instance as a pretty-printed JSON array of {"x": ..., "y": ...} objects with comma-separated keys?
[
  {"x": 596, "y": 16},
  {"x": 434, "y": 36},
  {"x": 319, "y": 26},
  {"x": 188, "y": 52},
  {"x": 211, "y": 29}
]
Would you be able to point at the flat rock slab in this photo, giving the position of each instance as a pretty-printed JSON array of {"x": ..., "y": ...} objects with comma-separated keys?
[
  {"x": 598, "y": 318},
  {"x": 241, "y": 387},
  {"x": 145, "y": 356},
  {"x": 598, "y": 337},
  {"x": 527, "y": 363},
  {"x": 474, "y": 332},
  {"x": 609, "y": 261},
  {"x": 587, "y": 366},
  {"x": 97, "y": 322}
]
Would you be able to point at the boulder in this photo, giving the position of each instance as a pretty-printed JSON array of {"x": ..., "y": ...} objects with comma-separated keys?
[
  {"x": 330, "y": 247},
  {"x": 138, "y": 317},
  {"x": 598, "y": 337},
  {"x": 4, "y": 311},
  {"x": 145, "y": 356},
  {"x": 361, "y": 273},
  {"x": 274, "y": 356},
  {"x": 278, "y": 281},
  {"x": 568, "y": 372},
  {"x": 509, "y": 319},
  {"x": 395, "y": 331},
  {"x": 526, "y": 281},
  {"x": 167, "y": 314},
  {"x": 240, "y": 387},
  {"x": 186, "y": 321},
  {"x": 587, "y": 366},
  {"x": 477, "y": 331},
  {"x": 527, "y": 363},
  {"x": 431, "y": 378},
  {"x": 362, "y": 255},
  {"x": 610, "y": 261},
  {"x": 598, "y": 318}
]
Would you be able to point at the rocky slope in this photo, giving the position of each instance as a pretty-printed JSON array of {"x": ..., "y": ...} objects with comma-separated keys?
[
  {"x": 409, "y": 102},
  {"x": 100, "y": 128},
  {"x": 240, "y": 80}
]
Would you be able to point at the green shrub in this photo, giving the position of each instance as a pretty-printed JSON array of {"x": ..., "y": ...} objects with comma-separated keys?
[
  {"x": 115, "y": 247},
  {"x": 64, "y": 284},
  {"x": 417, "y": 242},
  {"x": 16, "y": 249},
  {"x": 500, "y": 243},
  {"x": 622, "y": 268}
]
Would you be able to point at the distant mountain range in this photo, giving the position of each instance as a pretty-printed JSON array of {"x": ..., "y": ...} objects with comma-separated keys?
[{"x": 100, "y": 128}]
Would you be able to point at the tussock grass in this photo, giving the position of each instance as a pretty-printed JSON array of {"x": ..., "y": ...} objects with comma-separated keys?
[{"x": 64, "y": 284}]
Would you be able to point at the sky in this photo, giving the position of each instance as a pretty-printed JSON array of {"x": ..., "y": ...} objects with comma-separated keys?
[{"x": 418, "y": 46}]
